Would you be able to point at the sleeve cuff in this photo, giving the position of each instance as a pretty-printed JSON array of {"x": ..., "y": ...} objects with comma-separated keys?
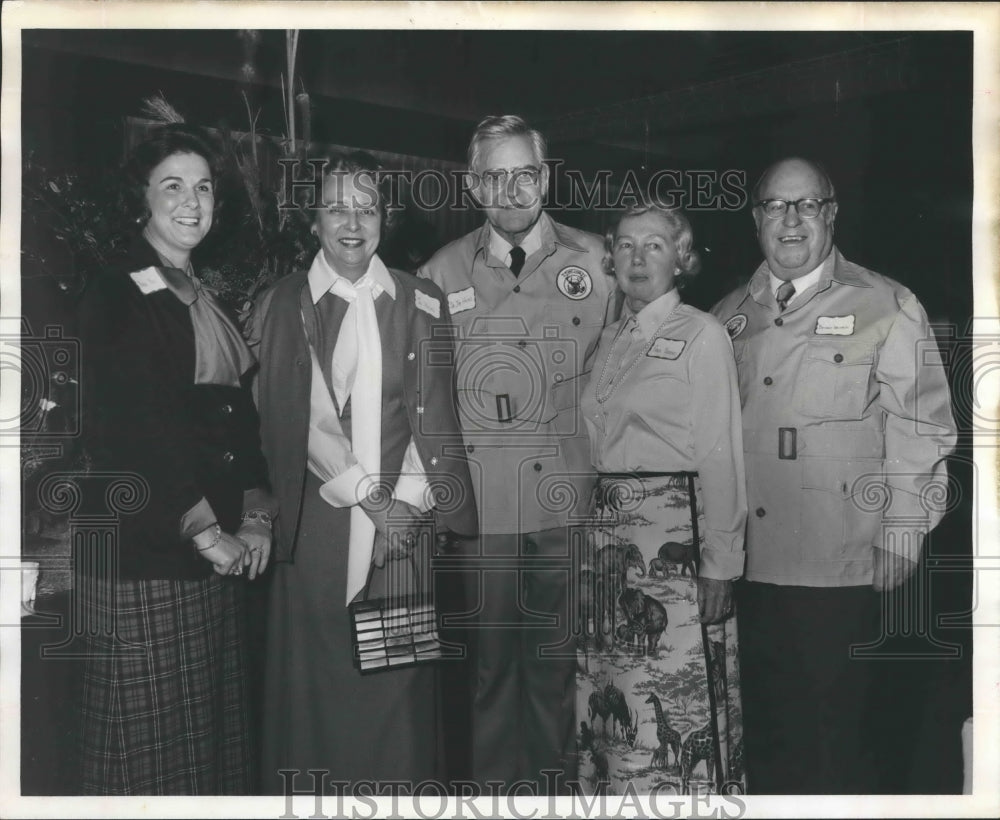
[
  {"x": 258, "y": 499},
  {"x": 905, "y": 541},
  {"x": 348, "y": 488},
  {"x": 199, "y": 518},
  {"x": 415, "y": 491},
  {"x": 721, "y": 565}
]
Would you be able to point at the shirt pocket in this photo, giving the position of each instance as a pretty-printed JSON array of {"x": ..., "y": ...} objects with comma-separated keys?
[
  {"x": 573, "y": 328},
  {"x": 834, "y": 380}
]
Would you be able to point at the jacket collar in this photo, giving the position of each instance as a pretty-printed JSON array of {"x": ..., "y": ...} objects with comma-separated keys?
[
  {"x": 142, "y": 255},
  {"x": 835, "y": 269},
  {"x": 551, "y": 234},
  {"x": 321, "y": 277}
]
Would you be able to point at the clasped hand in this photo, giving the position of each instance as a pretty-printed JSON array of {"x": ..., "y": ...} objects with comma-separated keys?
[
  {"x": 398, "y": 526},
  {"x": 249, "y": 550}
]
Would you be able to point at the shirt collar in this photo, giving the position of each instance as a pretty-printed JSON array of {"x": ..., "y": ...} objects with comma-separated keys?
[
  {"x": 802, "y": 283},
  {"x": 500, "y": 247},
  {"x": 321, "y": 277},
  {"x": 655, "y": 313},
  {"x": 550, "y": 234}
]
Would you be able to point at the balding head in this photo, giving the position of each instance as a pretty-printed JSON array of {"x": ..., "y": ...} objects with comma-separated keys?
[
  {"x": 797, "y": 165},
  {"x": 794, "y": 245}
]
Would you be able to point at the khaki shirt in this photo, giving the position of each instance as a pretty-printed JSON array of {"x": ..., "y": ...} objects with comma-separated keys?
[
  {"x": 846, "y": 424},
  {"x": 663, "y": 397},
  {"x": 522, "y": 344}
]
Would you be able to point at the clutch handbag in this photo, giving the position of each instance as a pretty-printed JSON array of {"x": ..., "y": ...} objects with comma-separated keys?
[{"x": 398, "y": 631}]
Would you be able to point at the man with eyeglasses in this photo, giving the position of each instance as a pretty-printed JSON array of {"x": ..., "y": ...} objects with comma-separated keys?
[
  {"x": 529, "y": 298},
  {"x": 846, "y": 424}
]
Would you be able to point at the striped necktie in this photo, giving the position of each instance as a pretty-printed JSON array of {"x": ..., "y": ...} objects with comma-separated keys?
[{"x": 784, "y": 294}]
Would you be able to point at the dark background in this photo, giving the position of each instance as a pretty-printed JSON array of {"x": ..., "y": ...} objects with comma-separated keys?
[{"x": 888, "y": 113}]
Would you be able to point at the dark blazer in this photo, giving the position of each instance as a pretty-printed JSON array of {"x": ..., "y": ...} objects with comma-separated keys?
[
  {"x": 278, "y": 336},
  {"x": 144, "y": 415}
]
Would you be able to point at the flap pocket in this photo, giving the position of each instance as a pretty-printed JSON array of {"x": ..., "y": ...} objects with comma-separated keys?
[
  {"x": 566, "y": 392},
  {"x": 834, "y": 380},
  {"x": 841, "y": 353}
]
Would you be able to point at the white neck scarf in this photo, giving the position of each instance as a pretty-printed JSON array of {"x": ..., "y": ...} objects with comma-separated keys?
[{"x": 357, "y": 365}]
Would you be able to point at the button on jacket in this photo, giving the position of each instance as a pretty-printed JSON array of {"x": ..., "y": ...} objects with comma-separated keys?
[
  {"x": 846, "y": 423},
  {"x": 523, "y": 343},
  {"x": 662, "y": 397},
  {"x": 283, "y": 321},
  {"x": 195, "y": 446}
]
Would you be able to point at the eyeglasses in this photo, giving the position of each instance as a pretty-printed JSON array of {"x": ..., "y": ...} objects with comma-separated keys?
[
  {"x": 806, "y": 208},
  {"x": 497, "y": 179}
]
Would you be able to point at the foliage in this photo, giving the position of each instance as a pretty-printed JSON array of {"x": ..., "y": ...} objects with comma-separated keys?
[
  {"x": 71, "y": 224},
  {"x": 74, "y": 226}
]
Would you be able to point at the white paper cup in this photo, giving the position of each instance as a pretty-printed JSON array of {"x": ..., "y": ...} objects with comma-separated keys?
[{"x": 29, "y": 586}]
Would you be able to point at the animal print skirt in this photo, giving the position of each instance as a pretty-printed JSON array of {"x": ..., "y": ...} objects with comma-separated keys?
[{"x": 658, "y": 694}]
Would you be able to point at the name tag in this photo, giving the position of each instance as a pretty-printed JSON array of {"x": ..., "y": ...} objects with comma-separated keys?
[
  {"x": 428, "y": 304},
  {"x": 148, "y": 280},
  {"x": 835, "y": 326},
  {"x": 462, "y": 300},
  {"x": 666, "y": 348}
]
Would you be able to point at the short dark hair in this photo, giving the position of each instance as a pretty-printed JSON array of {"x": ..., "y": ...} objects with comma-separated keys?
[
  {"x": 163, "y": 142},
  {"x": 357, "y": 162},
  {"x": 681, "y": 234}
]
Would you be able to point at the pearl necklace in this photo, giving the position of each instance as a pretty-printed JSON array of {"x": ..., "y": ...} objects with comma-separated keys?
[{"x": 603, "y": 395}]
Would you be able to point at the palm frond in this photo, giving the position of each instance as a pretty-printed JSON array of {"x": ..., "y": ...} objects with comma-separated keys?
[{"x": 159, "y": 110}]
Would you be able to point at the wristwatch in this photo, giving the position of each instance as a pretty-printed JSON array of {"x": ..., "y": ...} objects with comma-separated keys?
[{"x": 258, "y": 515}]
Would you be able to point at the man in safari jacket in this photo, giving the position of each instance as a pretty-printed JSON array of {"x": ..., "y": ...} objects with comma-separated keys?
[
  {"x": 846, "y": 425},
  {"x": 528, "y": 298}
]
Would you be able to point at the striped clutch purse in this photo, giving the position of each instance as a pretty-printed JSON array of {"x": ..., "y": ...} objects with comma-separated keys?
[{"x": 395, "y": 632}]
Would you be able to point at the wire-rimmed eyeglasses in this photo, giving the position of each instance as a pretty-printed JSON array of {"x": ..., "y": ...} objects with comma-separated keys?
[
  {"x": 497, "y": 179},
  {"x": 808, "y": 208}
]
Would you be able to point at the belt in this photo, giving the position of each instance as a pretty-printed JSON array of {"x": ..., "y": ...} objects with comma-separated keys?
[
  {"x": 645, "y": 474},
  {"x": 815, "y": 442}
]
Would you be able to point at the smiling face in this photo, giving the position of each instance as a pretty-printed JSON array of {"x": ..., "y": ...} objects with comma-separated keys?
[
  {"x": 180, "y": 196},
  {"x": 349, "y": 226},
  {"x": 794, "y": 246},
  {"x": 645, "y": 258},
  {"x": 511, "y": 182}
]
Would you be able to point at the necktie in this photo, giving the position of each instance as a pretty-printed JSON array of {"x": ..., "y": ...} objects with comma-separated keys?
[
  {"x": 357, "y": 357},
  {"x": 786, "y": 290},
  {"x": 516, "y": 259}
]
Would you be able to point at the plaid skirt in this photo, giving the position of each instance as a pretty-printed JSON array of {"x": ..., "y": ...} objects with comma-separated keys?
[{"x": 165, "y": 705}]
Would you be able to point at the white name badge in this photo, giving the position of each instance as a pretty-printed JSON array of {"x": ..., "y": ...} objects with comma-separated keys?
[
  {"x": 666, "y": 348},
  {"x": 428, "y": 304},
  {"x": 835, "y": 326},
  {"x": 461, "y": 300},
  {"x": 148, "y": 280}
]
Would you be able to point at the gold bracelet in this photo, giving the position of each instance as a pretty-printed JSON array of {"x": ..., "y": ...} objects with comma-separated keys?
[{"x": 215, "y": 540}]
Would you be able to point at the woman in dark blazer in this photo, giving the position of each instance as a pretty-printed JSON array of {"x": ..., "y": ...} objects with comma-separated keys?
[
  {"x": 355, "y": 392},
  {"x": 168, "y": 409}
]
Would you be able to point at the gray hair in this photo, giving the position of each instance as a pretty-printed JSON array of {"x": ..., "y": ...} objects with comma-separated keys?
[
  {"x": 501, "y": 127},
  {"x": 679, "y": 232}
]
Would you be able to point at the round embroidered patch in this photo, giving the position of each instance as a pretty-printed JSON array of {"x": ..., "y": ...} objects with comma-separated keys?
[
  {"x": 736, "y": 325},
  {"x": 574, "y": 282}
]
